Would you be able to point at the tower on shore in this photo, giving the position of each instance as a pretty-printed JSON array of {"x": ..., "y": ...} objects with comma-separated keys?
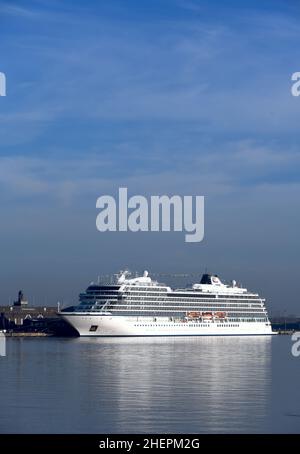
[{"x": 21, "y": 301}]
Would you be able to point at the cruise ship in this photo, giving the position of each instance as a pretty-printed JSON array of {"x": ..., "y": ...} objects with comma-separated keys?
[{"x": 140, "y": 306}]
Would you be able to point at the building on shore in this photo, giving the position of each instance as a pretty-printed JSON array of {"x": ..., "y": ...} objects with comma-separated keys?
[{"x": 21, "y": 317}]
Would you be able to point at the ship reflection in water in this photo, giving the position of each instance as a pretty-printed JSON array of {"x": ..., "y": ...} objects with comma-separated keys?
[
  {"x": 204, "y": 384},
  {"x": 149, "y": 385}
]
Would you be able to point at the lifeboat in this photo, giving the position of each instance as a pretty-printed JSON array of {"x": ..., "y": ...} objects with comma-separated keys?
[
  {"x": 193, "y": 314},
  {"x": 207, "y": 315},
  {"x": 220, "y": 314}
]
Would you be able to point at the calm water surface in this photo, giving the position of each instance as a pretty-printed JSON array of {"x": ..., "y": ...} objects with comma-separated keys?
[{"x": 159, "y": 385}]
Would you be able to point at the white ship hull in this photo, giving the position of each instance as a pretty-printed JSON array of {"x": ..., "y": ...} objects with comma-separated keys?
[{"x": 108, "y": 325}]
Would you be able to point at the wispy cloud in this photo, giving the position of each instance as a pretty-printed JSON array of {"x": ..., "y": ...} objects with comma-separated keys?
[
  {"x": 172, "y": 70},
  {"x": 87, "y": 176},
  {"x": 11, "y": 9}
]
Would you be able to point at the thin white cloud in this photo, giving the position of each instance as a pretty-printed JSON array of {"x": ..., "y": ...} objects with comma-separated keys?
[
  {"x": 213, "y": 173},
  {"x": 12, "y": 9}
]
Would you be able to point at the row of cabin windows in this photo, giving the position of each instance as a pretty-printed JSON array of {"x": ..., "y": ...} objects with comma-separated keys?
[
  {"x": 185, "y": 325},
  {"x": 168, "y": 300}
]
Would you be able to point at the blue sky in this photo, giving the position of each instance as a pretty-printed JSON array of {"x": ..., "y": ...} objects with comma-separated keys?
[{"x": 175, "y": 97}]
